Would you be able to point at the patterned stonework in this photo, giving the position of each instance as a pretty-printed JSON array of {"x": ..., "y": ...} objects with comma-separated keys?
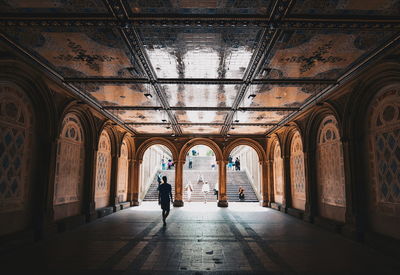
[
  {"x": 103, "y": 171},
  {"x": 297, "y": 170},
  {"x": 384, "y": 144},
  {"x": 330, "y": 170},
  {"x": 70, "y": 162},
  {"x": 16, "y": 128},
  {"x": 123, "y": 172},
  {"x": 278, "y": 174}
]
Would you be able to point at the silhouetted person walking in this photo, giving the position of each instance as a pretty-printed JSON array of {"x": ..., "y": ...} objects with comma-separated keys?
[{"x": 164, "y": 195}]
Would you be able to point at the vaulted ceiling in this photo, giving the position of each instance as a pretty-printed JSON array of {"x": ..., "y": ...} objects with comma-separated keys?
[{"x": 201, "y": 67}]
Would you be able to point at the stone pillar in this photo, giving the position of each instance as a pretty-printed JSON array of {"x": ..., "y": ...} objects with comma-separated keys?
[
  {"x": 308, "y": 213},
  {"x": 222, "y": 199},
  {"x": 287, "y": 199},
  {"x": 178, "y": 200},
  {"x": 131, "y": 180},
  {"x": 270, "y": 165},
  {"x": 350, "y": 228},
  {"x": 90, "y": 210},
  {"x": 264, "y": 184},
  {"x": 134, "y": 196},
  {"x": 114, "y": 182}
]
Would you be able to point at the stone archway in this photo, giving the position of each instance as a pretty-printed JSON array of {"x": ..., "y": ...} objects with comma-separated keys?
[
  {"x": 222, "y": 201},
  {"x": 134, "y": 194},
  {"x": 262, "y": 160}
]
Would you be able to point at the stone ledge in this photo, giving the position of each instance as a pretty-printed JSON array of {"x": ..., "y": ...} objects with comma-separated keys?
[
  {"x": 295, "y": 212},
  {"x": 125, "y": 205},
  {"x": 387, "y": 245},
  {"x": 330, "y": 225},
  {"x": 105, "y": 211},
  {"x": 14, "y": 240},
  {"x": 276, "y": 206},
  {"x": 70, "y": 223}
]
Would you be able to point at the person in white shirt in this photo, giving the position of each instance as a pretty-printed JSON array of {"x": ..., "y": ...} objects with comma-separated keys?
[
  {"x": 205, "y": 189},
  {"x": 189, "y": 190}
]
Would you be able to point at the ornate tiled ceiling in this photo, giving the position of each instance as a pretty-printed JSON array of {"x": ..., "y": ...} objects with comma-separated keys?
[{"x": 201, "y": 67}]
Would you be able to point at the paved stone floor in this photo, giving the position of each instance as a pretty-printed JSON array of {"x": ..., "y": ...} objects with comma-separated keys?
[{"x": 198, "y": 239}]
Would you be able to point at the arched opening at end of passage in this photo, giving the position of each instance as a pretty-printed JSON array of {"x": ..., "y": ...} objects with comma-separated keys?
[
  {"x": 244, "y": 175},
  {"x": 200, "y": 175},
  {"x": 156, "y": 164}
]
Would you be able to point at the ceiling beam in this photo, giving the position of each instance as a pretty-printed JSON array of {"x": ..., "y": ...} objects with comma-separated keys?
[
  {"x": 134, "y": 43},
  {"x": 198, "y": 81},
  {"x": 197, "y": 124},
  {"x": 285, "y": 24},
  {"x": 215, "y": 109}
]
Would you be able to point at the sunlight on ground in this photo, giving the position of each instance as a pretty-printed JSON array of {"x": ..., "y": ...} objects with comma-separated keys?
[{"x": 205, "y": 207}]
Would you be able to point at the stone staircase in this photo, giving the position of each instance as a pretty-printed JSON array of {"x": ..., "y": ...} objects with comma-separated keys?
[{"x": 234, "y": 180}]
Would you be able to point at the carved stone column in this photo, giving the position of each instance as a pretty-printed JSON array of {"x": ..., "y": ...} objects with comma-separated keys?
[
  {"x": 134, "y": 196},
  {"x": 264, "y": 184},
  {"x": 90, "y": 210},
  {"x": 114, "y": 182},
  {"x": 178, "y": 201},
  {"x": 131, "y": 180},
  {"x": 308, "y": 213},
  {"x": 350, "y": 228},
  {"x": 270, "y": 168},
  {"x": 222, "y": 199},
  {"x": 286, "y": 201}
]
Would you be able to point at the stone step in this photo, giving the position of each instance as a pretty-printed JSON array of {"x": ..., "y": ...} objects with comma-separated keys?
[{"x": 234, "y": 180}]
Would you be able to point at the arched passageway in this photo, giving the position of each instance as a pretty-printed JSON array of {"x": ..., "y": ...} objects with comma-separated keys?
[
  {"x": 157, "y": 162},
  {"x": 200, "y": 175},
  {"x": 244, "y": 175}
]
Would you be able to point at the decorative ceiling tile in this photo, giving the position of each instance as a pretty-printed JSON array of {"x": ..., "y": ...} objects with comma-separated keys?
[
  {"x": 200, "y": 129},
  {"x": 200, "y": 116},
  {"x": 79, "y": 52},
  {"x": 196, "y": 52},
  {"x": 319, "y": 54},
  {"x": 152, "y": 129},
  {"x": 120, "y": 95},
  {"x": 346, "y": 7},
  {"x": 53, "y": 6},
  {"x": 239, "y": 7},
  {"x": 260, "y": 117},
  {"x": 201, "y": 95},
  {"x": 140, "y": 116},
  {"x": 248, "y": 130},
  {"x": 280, "y": 96}
]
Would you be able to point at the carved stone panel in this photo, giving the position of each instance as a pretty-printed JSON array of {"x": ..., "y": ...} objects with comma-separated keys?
[
  {"x": 384, "y": 165},
  {"x": 297, "y": 172},
  {"x": 70, "y": 162},
  {"x": 330, "y": 170},
  {"x": 103, "y": 171},
  {"x": 278, "y": 174},
  {"x": 16, "y": 128},
  {"x": 123, "y": 172}
]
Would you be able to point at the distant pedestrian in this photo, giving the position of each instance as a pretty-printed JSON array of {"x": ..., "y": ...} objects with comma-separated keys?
[
  {"x": 237, "y": 164},
  {"x": 165, "y": 198},
  {"x": 216, "y": 189},
  {"x": 190, "y": 163},
  {"x": 189, "y": 190},
  {"x": 241, "y": 193},
  {"x": 205, "y": 189},
  {"x": 163, "y": 164},
  {"x": 200, "y": 179},
  {"x": 159, "y": 179}
]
